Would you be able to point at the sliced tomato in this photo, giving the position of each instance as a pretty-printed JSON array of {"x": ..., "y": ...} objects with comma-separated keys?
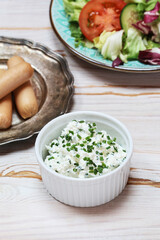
[{"x": 99, "y": 15}]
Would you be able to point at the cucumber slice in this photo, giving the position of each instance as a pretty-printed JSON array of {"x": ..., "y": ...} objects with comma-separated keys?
[{"x": 129, "y": 15}]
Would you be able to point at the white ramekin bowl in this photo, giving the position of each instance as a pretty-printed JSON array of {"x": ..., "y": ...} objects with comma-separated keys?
[{"x": 91, "y": 191}]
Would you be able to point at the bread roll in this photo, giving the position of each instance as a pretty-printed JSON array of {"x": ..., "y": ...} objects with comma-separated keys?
[
  {"x": 25, "y": 99},
  {"x": 5, "y": 109},
  {"x": 14, "y": 77}
]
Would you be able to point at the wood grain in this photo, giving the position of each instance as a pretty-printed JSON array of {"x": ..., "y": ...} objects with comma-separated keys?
[{"x": 27, "y": 211}]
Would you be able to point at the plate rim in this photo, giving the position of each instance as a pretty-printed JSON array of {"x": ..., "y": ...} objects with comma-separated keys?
[
  {"x": 51, "y": 54},
  {"x": 90, "y": 60}
]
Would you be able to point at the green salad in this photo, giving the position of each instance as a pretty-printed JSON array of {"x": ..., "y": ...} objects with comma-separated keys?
[{"x": 120, "y": 30}]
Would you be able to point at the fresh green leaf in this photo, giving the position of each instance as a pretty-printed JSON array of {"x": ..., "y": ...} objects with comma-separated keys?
[{"x": 133, "y": 44}]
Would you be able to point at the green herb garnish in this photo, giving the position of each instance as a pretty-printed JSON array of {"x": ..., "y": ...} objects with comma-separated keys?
[
  {"x": 50, "y": 158},
  {"x": 76, "y": 164},
  {"x": 79, "y": 136},
  {"x": 71, "y": 132},
  {"x": 68, "y": 138}
]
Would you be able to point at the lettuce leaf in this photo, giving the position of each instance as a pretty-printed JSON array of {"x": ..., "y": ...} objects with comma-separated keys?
[
  {"x": 133, "y": 44},
  {"x": 73, "y": 8},
  {"x": 135, "y": 1},
  {"x": 150, "y": 44},
  {"x": 150, "y": 5},
  {"x": 144, "y": 5},
  {"x": 113, "y": 45},
  {"x": 100, "y": 41},
  {"x": 76, "y": 33}
]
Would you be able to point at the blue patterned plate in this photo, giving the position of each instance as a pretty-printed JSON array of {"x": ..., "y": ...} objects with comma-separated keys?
[{"x": 60, "y": 25}]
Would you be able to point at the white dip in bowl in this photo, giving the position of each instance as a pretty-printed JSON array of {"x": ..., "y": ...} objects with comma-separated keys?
[
  {"x": 89, "y": 177},
  {"x": 83, "y": 152}
]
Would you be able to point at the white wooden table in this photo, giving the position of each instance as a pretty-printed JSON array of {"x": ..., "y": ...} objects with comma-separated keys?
[{"x": 27, "y": 211}]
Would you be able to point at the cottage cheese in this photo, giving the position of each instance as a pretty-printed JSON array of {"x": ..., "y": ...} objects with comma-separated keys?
[{"x": 83, "y": 152}]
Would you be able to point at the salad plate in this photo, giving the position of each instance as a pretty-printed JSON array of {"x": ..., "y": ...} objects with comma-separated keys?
[
  {"x": 60, "y": 25},
  {"x": 52, "y": 82}
]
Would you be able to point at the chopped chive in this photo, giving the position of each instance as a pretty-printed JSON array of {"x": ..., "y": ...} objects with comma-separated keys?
[
  {"x": 71, "y": 132},
  {"x": 89, "y": 148},
  {"x": 124, "y": 150},
  {"x": 74, "y": 170},
  {"x": 108, "y": 137},
  {"x": 100, "y": 169},
  {"x": 81, "y": 121},
  {"x": 89, "y": 125},
  {"x": 90, "y": 162},
  {"x": 52, "y": 144},
  {"x": 92, "y": 134},
  {"x": 50, "y": 158},
  {"x": 68, "y": 144},
  {"x": 79, "y": 136},
  {"x": 108, "y": 147},
  {"x": 104, "y": 141},
  {"x": 95, "y": 171},
  {"x": 100, "y": 133},
  {"x": 77, "y": 156},
  {"x": 87, "y": 138},
  {"x": 110, "y": 142},
  {"x": 82, "y": 145},
  {"x": 104, "y": 165},
  {"x": 91, "y": 129},
  {"x": 94, "y": 164},
  {"x": 73, "y": 147},
  {"x": 101, "y": 159},
  {"x": 86, "y": 159},
  {"x": 90, "y": 168},
  {"x": 76, "y": 164},
  {"x": 68, "y": 138},
  {"x": 94, "y": 124},
  {"x": 115, "y": 148}
]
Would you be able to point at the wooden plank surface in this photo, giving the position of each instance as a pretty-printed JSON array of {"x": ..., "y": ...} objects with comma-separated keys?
[{"x": 27, "y": 211}]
